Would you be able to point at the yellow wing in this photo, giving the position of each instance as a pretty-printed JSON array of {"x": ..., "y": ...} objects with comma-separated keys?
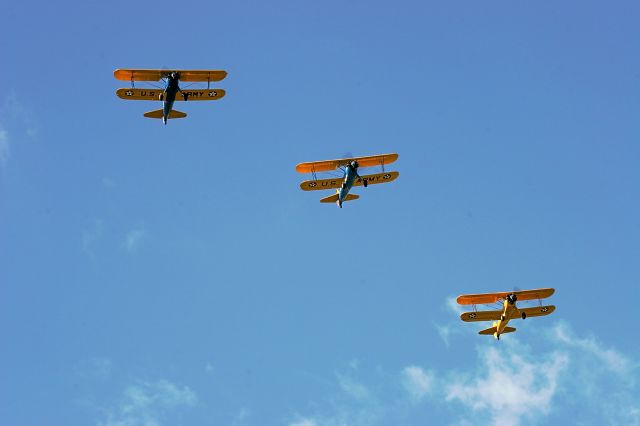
[
  {"x": 154, "y": 94},
  {"x": 538, "y": 311},
  {"x": 157, "y": 75},
  {"x": 475, "y": 299},
  {"x": 481, "y": 316},
  {"x": 315, "y": 185},
  {"x": 329, "y": 165}
]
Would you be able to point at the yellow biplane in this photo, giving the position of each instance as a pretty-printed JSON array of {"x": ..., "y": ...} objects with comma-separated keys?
[
  {"x": 167, "y": 94},
  {"x": 509, "y": 309},
  {"x": 350, "y": 177}
]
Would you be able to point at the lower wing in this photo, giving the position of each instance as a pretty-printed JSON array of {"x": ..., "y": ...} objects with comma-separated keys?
[
  {"x": 155, "y": 94},
  {"x": 335, "y": 183}
]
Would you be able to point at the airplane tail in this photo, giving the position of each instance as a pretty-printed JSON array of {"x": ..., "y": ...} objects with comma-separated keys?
[
  {"x": 492, "y": 330},
  {"x": 158, "y": 114},
  {"x": 333, "y": 198}
]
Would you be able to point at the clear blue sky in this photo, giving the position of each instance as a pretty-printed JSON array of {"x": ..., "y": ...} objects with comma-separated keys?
[{"x": 176, "y": 275}]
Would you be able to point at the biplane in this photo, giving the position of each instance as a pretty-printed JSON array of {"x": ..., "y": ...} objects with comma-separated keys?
[
  {"x": 168, "y": 93},
  {"x": 349, "y": 178},
  {"x": 509, "y": 309}
]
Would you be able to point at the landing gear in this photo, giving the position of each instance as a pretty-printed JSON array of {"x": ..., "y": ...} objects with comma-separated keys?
[
  {"x": 501, "y": 317},
  {"x": 365, "y": 183},
  {"x": 161, "y": 96},
  {"x": 185, "y": 96},
  {"x": 524, "y": 315},
  {"x": 498, "y": 336}
]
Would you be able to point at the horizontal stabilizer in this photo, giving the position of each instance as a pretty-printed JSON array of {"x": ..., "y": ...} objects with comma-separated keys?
[
  {"x": 158, "y": 114},
  {"x": 333, "y": 198},
  {"x": 491, "y": 330}
]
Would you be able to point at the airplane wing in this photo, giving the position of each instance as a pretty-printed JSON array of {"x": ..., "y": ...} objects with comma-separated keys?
[
  {"x": 157, "y": 75},
  {"x": 329, "y": 165},
  {"x": 154, "y": 94},
  {"x": 481, "y": 316},
  {"x": 475, "y": 299},
  {"x": 335, "y": 183},
  {"x": 538, "y": 311}
]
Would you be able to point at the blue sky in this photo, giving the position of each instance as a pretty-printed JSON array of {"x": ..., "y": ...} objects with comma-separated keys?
[{"x": 176, "y": 275}]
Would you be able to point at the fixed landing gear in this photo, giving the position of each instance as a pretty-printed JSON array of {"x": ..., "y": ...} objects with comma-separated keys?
[
  {"x": 161, "y": 97},
  {"x": 524, "y": 315},
  {"x": 365, "y": 183},
  {"x": 501, "y": 317},
  {"x": 185, "y": 96}
]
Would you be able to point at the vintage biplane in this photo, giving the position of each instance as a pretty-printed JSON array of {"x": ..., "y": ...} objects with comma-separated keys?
[
  {"x": 509, "y": 309},
  {"x": 349, "y": 178},
  {"x": 168, "y": 93}
]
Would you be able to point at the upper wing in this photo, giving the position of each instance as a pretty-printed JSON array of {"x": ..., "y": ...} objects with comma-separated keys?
[
  {"x": 154, "y": 94},
  {"x": 540, "y": 293},
  {"x": 329, "y": 165},
  {"x": 481, "y": 316},
  {"x": 314, "y": 185},
  {"x": 474, "y": 299},
  {"x": 157, "y": 75},
  {"x": 538, "y": 311}
]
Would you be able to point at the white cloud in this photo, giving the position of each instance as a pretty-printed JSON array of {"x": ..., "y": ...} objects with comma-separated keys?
[
  {"x": 145, "y": 403},
  {"x": 353, "y": 388},
  {"x": 417, "y": 381},
  {"x": 610, "y": 358},
  {"x": 303, "y": 422},
  {"x": 509, "y": 388},
  {"x": 90, "y": 235},
  {"x": 133, "y": 239},
  {"x": 94, "y": 368},
  {"x": 5, "y": 151}
]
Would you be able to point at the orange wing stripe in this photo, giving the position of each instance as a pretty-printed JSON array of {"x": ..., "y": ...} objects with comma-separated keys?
[{"x": 329, "y": 165}]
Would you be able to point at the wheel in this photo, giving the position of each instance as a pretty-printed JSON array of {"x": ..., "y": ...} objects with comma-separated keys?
[
  {"x": 365, "y": 183},
  {"x": 161, "y": 97},
  {"x": 185, "y": 96},
  {"x": 524, "y": 315},
  {"x": 501, "y": 317}
]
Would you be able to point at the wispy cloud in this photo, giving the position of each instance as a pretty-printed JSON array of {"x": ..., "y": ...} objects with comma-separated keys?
[
  {"x": 610, "y": 358},
  {"x": 94, "y": 368},
  {"x": 507, "y": 383},
  {"x": 133, "y": 239},
  {"x": 16, "y": 112},
  {"x": 5, "y": 150},
  {"x": 146, "y": 403},
  {"x": 303, "y": 422},
  {"x": 353, "y": 388},
  {"x": 508, "y": 387},
  {"x": 418, "y": 382},
  {"x": 91, "y": 235}
]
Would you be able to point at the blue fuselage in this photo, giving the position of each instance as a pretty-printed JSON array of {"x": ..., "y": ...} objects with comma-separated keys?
[
  {"x": 169, "y": 97},
  {"x": 350, "y": 176}
]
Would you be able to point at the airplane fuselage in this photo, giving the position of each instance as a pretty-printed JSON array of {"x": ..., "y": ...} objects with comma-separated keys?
[
  {"x": 169, "y": 96},
  {"x": 350, "y": 176},
  {"x": 508, "y": 310}
]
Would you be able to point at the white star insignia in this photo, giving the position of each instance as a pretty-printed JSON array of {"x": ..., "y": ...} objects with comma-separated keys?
[{"x": 129, "y": 93}]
